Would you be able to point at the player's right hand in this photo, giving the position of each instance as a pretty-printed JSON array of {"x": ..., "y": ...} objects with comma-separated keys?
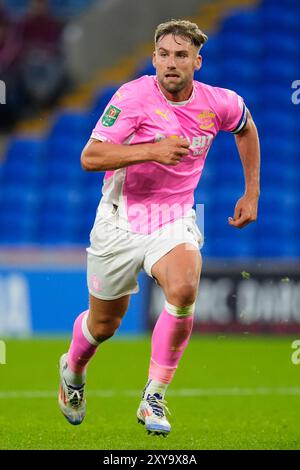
[{"x": 170, "y": 151}]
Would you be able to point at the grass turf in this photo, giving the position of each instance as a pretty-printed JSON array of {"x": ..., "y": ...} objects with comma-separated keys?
[{"x": 228, "y": 393}]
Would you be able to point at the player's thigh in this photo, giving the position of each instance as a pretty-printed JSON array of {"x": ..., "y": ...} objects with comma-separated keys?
[
  {"x": 113, "y": 262},
  {"x": 107, "y": 311},
  {"x": 178, "y": 272}
]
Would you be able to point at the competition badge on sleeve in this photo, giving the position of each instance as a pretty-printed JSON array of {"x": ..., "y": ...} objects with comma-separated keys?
[{"x": 110, "y": 117}]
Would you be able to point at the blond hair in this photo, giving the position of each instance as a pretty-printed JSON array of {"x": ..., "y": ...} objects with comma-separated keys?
[{"x": 182, "y": 28}]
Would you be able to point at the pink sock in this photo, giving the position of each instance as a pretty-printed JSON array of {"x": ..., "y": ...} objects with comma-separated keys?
[
  {"x": 83, "y": 345},
  {"x": 169, "y": 340}
]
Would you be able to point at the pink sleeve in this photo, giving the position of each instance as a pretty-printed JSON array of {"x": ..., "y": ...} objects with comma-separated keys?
[
  {"x": 120, "y": 118},
  {"x": 234, "y": 112}
]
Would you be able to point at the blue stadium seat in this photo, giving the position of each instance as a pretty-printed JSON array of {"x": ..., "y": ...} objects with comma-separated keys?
[
  {"x": 17, "y": 227},
  {"x": 60, "y": 198},
  {"x": 277, "y": 174},
  {"x": 272, "y": 177},
  {"x": 204, "y": 196},
  {"x": 271, "y": 246},
  {"x": 278, "y": 17},
  {"x": 68, "y": 171},
  {"x": 91, "y": 198},
  {"x": 290, "y": 177},
  {"x": 290, "y": 4},
  {"x": 63, "y": 160},
  {"x": 91, "y": 179},
  {"x": 58, "y": 227},
  {"x": 273, "y": 123},
  {"x": 276, "y": 148},
  {"x": 212, "y": 49},
  {"x": 65, "y": 149},
  {"x": 145, "y": 68},
  {"x": 286, "y": 47},
  {"x": 69, "y": 124},
  {"x": 22, "y": 172},
  {"x": 66, "y": 9},
  {"x": 242, "y": 21},
  {"x": 231, "y": 246},
  {"x": 100, "y": 101},
  {"x": 238, "y": 70},
  {"x": 2, "y": 176},
  {"x": 283, "y": 70},
  {"x": 24, "y": 162},
  {"x": 283, "y": 203},
  {"x": 229, "y": 172},
  {"x": 92, "y": 190},
  {"x": 20, "y": 198},
  {"x": 64, "y": 172},
  {"x": 31, "y": 149},
  {"x": 209, "y": 73},
  {"x": 223, "y": 146},
  {"x": 243, "y": 44},
  {"x": 274, "y": 94}
]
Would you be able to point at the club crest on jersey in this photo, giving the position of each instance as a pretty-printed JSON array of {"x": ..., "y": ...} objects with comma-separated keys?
[
  {"x": 206, "y": 120},
  {"x": 110, "y": 117}
]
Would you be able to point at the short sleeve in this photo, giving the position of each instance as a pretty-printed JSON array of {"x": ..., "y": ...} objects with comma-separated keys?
[
  {"x": 234, "y": 116},
  {"x": 120, "y": 118}
]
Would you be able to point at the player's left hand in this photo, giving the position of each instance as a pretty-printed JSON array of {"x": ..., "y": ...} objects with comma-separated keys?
[{"x": 245, "y": 211}]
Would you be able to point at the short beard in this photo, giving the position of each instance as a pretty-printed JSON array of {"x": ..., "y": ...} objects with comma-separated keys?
[{"x": 174, "y": 87}]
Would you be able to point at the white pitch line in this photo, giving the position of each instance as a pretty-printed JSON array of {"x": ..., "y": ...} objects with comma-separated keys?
[{"x": 192, "y": 392}]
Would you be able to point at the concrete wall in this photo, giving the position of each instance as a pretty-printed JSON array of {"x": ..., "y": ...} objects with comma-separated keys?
[{"x": 114, "y": 28}]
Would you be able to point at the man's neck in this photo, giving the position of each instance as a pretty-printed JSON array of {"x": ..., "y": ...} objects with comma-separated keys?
[{"x": 182, "y": 95}]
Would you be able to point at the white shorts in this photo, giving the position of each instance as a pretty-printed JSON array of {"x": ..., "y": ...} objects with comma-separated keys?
[{"x": 116, "y": 256}]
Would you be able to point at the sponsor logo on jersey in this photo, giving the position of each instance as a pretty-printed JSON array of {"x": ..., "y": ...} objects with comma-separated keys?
[
  {"x": 206, "y": 119},
  {"x": 110, "y": 116},
  {"x": 199, "y": 144},
  {"x": 161, "y": 113}
]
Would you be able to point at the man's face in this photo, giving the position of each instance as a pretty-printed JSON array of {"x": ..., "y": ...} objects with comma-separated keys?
[{"x": 175, "y": 60}]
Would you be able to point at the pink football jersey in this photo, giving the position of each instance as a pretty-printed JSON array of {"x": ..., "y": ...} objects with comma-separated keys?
[{"x": 149, "y": 195}]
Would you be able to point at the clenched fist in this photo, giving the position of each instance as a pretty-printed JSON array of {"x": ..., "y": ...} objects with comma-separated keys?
[{"x": 170, "y": 151}]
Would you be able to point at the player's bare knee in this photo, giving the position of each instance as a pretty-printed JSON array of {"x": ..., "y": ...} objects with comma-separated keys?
[
  {"x": 182, "y": 294},
  {"x": 100, "y": 338},
  {"x": 104, "y": 328}
]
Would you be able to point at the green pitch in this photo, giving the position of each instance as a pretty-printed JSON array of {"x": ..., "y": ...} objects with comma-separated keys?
[{"x": 229, "y": 393}]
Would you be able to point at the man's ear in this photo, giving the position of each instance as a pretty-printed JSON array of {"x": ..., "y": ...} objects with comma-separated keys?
[
  {"x": 198, "y": 62},
  {"x": 154, "y": 59}
]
